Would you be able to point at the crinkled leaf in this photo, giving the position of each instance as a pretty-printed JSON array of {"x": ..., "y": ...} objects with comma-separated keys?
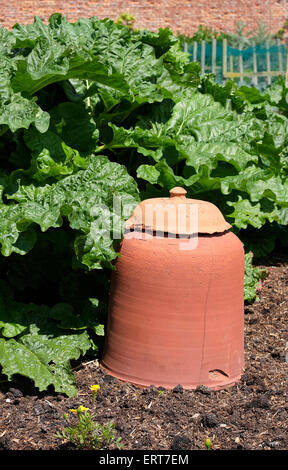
[
  {"x": 38, "y": 350},
  {"x": 89, "y": 199},
  {"x": 20, "y": 112}
]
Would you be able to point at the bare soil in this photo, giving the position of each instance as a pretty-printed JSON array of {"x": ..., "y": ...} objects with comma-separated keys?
[{"x": 250, "y": 415}]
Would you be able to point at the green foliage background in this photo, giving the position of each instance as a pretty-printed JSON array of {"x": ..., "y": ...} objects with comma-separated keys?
[{"x": 93, "y": 110}]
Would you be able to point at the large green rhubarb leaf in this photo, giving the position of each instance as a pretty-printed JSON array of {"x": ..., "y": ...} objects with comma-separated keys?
[
  {"x": 89, "y": 200},
  {"x": 33, "y": 344}
]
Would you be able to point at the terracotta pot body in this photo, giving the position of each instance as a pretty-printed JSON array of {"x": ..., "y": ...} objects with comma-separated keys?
[{"x": 176, "y": 317}]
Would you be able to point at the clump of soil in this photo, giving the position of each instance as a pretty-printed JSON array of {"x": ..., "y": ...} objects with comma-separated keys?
[{"x": 250, "y": 415}]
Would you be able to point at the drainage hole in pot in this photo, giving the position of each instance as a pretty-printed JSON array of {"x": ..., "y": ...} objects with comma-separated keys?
[{"x": 217, "y": 374}]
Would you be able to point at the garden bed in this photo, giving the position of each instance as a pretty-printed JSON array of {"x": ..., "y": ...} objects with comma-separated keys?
[{"x": 251, "y": 415}]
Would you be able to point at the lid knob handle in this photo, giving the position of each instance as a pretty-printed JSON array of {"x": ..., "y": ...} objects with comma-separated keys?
[{"x": 178, "y": 192}]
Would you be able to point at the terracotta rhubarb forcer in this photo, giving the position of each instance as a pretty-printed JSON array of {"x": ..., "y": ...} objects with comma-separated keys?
[{"x": 176, "y": 314}]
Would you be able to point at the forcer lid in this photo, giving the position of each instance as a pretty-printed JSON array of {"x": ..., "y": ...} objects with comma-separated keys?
[{"x": 178, "y": 215}]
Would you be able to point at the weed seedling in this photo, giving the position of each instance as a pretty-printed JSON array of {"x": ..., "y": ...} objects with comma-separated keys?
[
  {"x": 208, "y": 444},
  {"x": 88, "y": 434}
]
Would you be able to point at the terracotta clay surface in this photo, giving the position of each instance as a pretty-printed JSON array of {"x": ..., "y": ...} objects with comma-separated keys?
[
  {"x": 173, "y": 215},
  {"x": 176, "y": 316}
]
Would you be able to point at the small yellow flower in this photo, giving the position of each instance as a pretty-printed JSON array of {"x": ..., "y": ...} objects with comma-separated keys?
[
  {"x": 94, "y": 389},
  {"x": 73, "y": 411},
  {"x": 81, "y": 409}
]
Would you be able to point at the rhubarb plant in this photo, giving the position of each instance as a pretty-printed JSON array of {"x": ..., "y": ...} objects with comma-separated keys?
[{"x": 92, "y": 112}]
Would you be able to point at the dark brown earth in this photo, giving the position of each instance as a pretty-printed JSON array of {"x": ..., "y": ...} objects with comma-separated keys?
[{"x": 251, "y": 415}]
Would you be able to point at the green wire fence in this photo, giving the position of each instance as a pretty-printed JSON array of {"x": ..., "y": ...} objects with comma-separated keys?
[{"x": 258, "y": 64}]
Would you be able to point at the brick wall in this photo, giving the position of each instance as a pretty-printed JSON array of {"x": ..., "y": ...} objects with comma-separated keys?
[{"x": 180, "y": 15}]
